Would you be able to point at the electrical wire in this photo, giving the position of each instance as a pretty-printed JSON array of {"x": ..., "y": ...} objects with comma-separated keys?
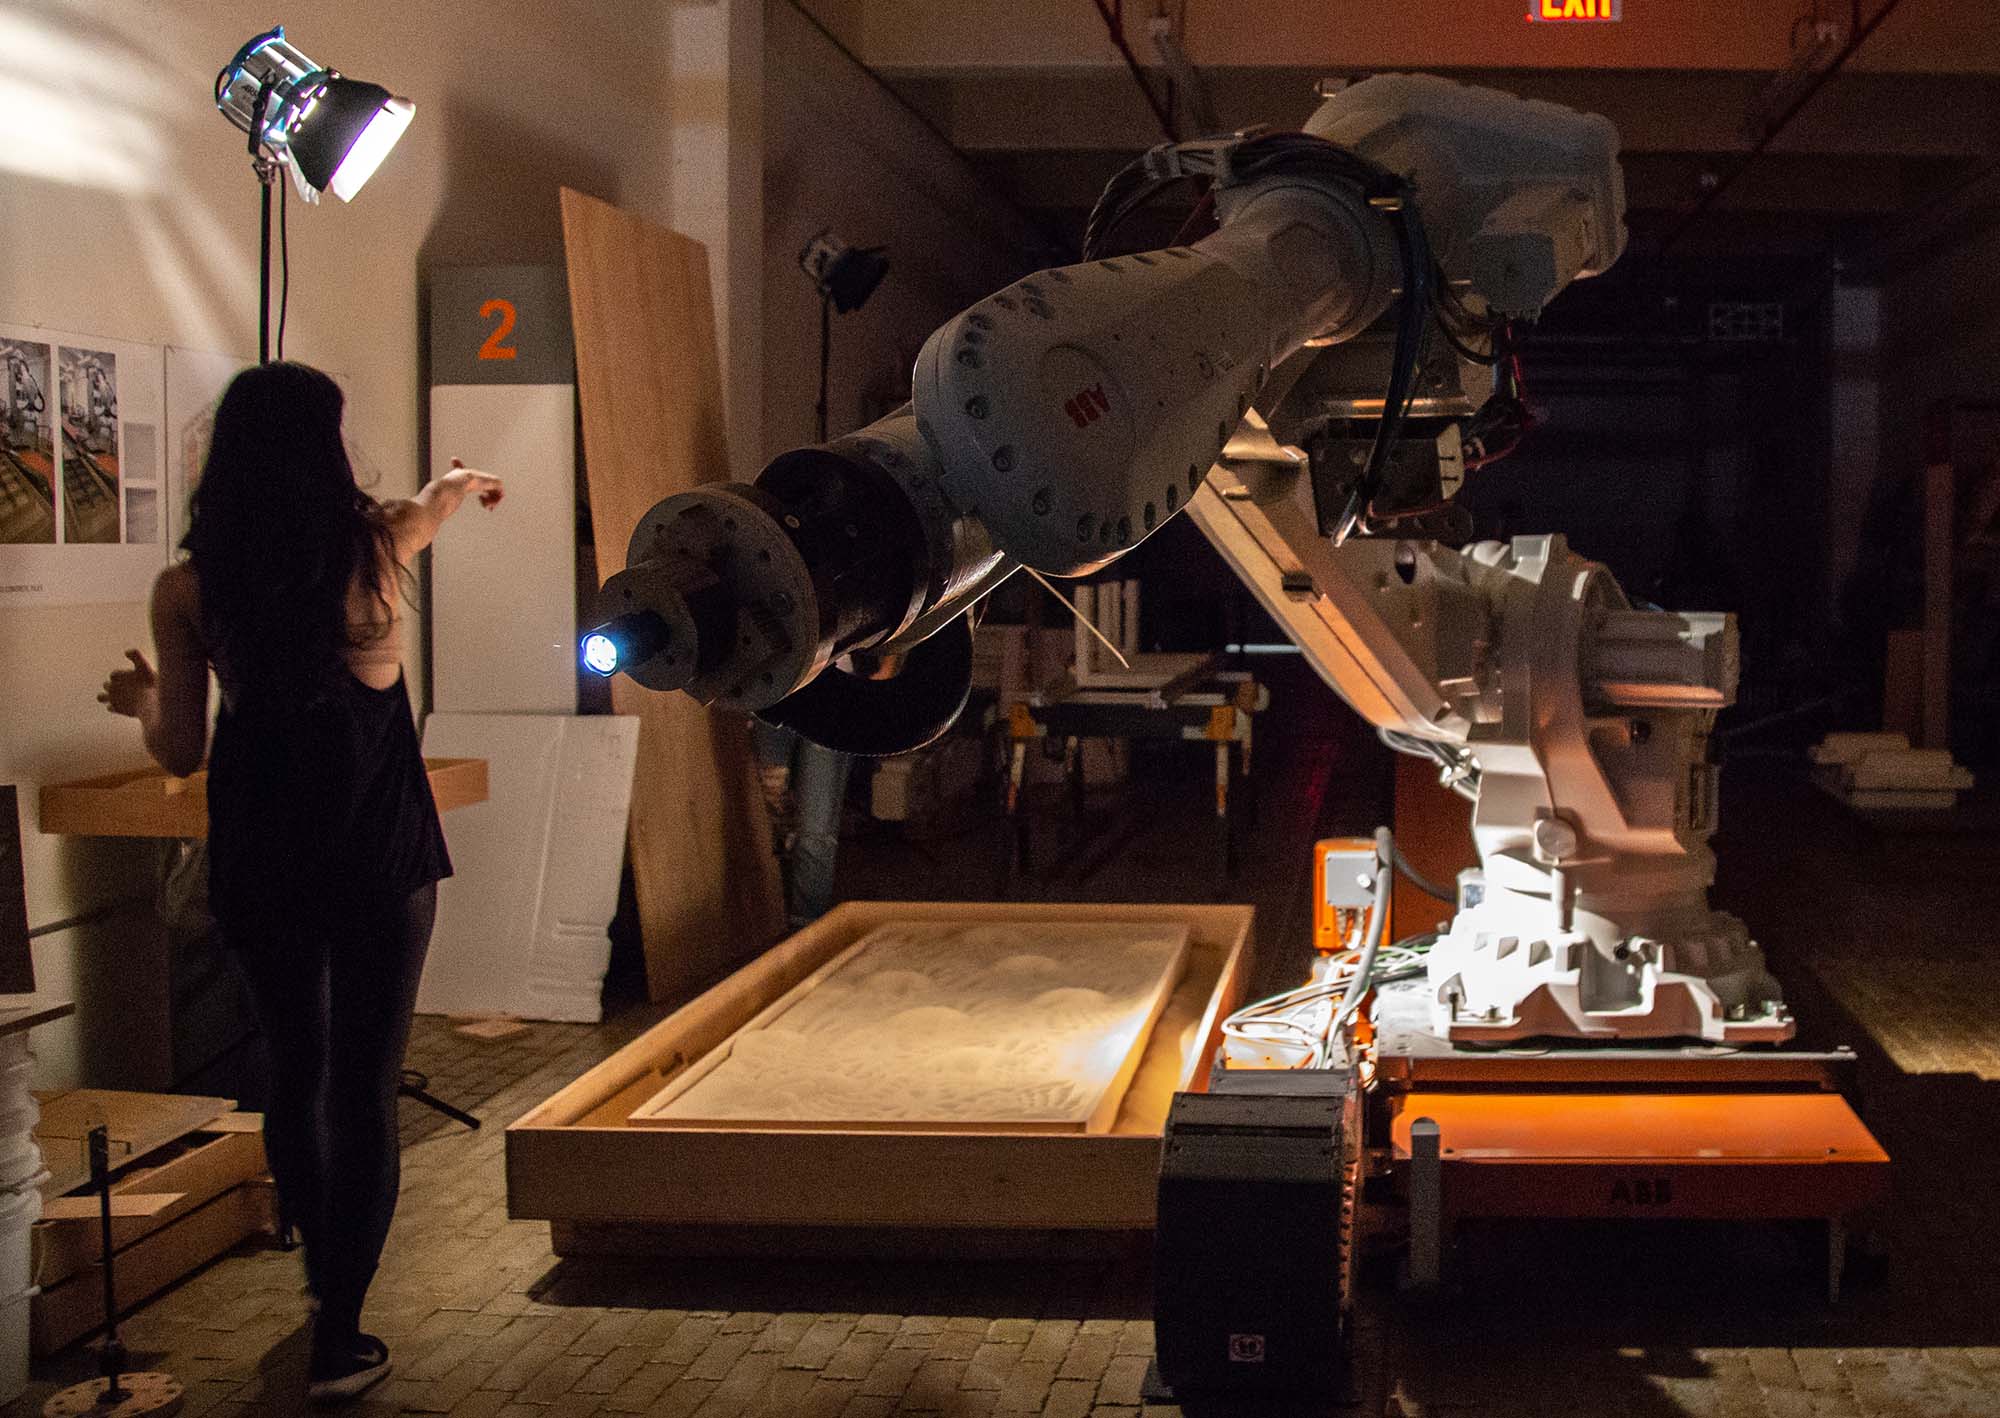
[
  {"x": 1081, "y": 618},
  {"x": 1378, "y": 919},
  {"x": 1112, "y": 12},
  {"x": 1458, "y": 768},
  {"x": 284, "y": 266},
  {"x": 1264, "y": 155},
  {"x": 1420, "y": 881},
  {"x": 1311, "y": 1016}
]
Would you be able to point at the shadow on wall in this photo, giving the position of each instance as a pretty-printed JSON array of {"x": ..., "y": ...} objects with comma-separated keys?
[
  {"x": 499, "y": 206},
  {"x": 499, "y": 182}
]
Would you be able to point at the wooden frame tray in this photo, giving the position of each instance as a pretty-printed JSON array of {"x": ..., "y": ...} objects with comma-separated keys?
[
  {"x": 149, "y": 802},
  {"x": 575, "y": 1161}
]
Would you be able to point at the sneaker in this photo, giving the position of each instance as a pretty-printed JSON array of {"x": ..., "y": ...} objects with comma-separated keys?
[{"x": 345, "y": 1375}]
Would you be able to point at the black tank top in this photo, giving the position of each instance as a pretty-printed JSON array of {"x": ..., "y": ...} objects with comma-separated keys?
[{"x": 320, "y": 801}]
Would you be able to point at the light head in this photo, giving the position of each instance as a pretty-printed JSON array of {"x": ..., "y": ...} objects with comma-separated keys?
[{"x": 331, "y": 131}]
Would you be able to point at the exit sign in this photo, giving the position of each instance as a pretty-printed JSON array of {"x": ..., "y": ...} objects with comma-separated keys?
[{"x": 1575, "y": 11}]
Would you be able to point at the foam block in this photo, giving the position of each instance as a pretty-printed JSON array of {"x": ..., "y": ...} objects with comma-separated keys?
[{"x": 521, "y": 926}]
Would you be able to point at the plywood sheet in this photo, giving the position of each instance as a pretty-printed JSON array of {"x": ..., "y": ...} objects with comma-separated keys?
[
  {"x": 1014, "y": 1027},
  {"x": 650, "y": 388}
]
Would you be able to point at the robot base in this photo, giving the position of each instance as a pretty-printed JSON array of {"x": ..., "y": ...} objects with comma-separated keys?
[
  {"x": 1676, "y": 1009},
  {"x": 1564, "y": 1129}
]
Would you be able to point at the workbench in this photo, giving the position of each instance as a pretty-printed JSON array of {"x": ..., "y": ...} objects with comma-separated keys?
[
  {"x": 1207, "y": 705},
  {"x": 149, "y": 802}
]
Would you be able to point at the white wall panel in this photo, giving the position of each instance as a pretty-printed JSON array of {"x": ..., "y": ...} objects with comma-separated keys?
[{"x": 503, "y": 583}]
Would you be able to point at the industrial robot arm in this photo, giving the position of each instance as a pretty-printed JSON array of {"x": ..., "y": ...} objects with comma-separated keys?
[{"x": 1062, "y": 420}]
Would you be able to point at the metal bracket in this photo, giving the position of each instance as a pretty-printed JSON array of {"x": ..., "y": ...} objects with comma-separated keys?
[{"x": 1426, "y": 1268}]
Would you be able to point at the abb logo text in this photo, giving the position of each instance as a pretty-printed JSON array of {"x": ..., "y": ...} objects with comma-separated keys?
[{"x": 1087, "y": 406}]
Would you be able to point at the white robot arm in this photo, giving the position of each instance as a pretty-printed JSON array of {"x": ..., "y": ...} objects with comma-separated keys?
[{"x": 1062, "y": 420}]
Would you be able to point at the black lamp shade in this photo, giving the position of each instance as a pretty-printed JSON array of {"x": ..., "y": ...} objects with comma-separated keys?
[{"x": 331, "y": 135}]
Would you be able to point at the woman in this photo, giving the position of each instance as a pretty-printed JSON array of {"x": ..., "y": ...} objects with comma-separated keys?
[{"x": 324, "y": 843}]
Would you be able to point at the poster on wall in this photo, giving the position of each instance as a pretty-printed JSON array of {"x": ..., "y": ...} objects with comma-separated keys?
[
  {"x": 92, "y": 506},
  {"x": 27, "y": 445},
  {"x": 82, "y": 468},
  {"x": 195, "y": 381}
]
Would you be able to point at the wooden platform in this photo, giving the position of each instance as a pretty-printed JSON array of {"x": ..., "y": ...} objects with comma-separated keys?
[{"x": 576, "y": 1161}]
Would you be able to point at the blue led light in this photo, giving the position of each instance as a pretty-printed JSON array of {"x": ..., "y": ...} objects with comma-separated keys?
[{"x": 600, "y": 653}]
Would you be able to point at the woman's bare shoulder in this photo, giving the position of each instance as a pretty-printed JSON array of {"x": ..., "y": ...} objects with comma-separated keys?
[{"x": 177, "y": 592}]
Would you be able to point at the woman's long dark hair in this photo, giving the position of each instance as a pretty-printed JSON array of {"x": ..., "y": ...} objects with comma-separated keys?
[{"x": 278, "y": 533}]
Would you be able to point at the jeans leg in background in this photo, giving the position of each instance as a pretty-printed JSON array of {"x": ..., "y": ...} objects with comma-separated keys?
[
  {"x": 821, "y": 792},
  {"x": 774, "y": 748}
]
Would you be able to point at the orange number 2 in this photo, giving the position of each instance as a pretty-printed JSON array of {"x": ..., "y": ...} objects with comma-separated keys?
[{"x": 493, "y": 349}]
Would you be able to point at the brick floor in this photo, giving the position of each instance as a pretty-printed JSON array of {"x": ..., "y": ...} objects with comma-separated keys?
[{"x": 1717, "y": 1322}]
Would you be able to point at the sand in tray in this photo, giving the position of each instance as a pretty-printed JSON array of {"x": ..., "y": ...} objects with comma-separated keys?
[{"x": 1018, "y": 1026}]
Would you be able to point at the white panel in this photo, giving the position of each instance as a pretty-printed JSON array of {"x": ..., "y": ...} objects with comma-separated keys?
[
  {"x": 586, "y": 852},
  {"x": 521, "y": 923},
  {"x": 503, "y": 584}
]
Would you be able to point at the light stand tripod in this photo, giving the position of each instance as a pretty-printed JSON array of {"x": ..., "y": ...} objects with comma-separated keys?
[{"x": 117, "y": 1392}]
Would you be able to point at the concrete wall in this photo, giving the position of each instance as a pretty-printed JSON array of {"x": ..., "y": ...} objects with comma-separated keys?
[
  {"x": 127, "y": 209},
  {"x": 1941, "y": 340},
  {"x": 839, "y": 151}
]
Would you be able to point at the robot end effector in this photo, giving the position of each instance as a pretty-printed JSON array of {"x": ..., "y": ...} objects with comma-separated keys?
[{"x": 1062, "y": 420}]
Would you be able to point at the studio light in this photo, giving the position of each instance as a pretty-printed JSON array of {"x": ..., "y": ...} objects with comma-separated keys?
[
  {"x": 845, "y": 277},
  {"x": 328, "y": 131},
  {"x": 331, "y": 131}
]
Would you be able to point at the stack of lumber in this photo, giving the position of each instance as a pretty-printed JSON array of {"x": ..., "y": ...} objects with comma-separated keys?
[
  {"x": 1881, "y": 772},
  {"x": 187, "y": 1185}
]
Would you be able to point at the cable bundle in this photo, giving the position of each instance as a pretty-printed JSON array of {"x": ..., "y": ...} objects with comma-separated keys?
[{"x": 1311, "y": 1016}]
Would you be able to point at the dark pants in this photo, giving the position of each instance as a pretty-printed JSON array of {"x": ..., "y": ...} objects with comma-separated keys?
[{"x": 333, "y": 992}]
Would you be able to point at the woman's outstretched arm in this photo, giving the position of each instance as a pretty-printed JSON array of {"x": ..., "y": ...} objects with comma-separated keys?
[{"x": 415, "y": 520}]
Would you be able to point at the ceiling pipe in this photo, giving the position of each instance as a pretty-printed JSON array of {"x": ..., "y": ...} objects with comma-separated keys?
[{"x": 1857, "y": 37}]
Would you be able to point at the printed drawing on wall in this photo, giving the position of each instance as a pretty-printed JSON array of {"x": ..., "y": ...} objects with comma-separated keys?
[
  {"x": 195, "y": 383},
  {"x": 90, "y": 446},
  {"x": 82, "y": 475},
  {"x": 27, "y": 445}
]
